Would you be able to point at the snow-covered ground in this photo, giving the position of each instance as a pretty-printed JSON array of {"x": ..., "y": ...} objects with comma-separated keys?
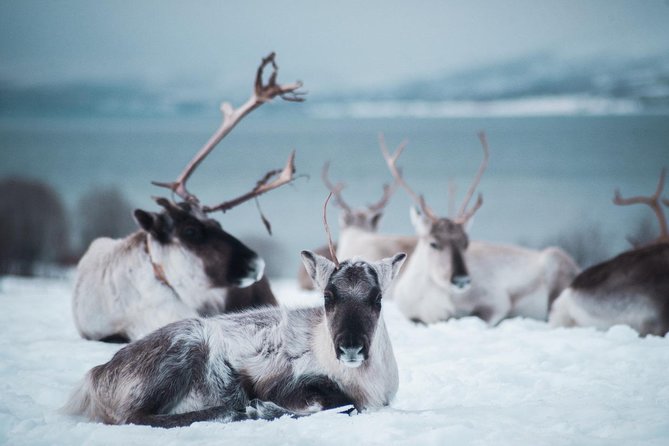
[{"x": 460, "y": 383}]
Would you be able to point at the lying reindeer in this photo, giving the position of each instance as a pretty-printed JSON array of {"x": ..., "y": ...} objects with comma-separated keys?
[
  {"x": 358, "y": 230},
  {"x": 632, "y": 288},
  {"x": 261, "y": 363},
  {"x": 449, "y": 276},
  {"x": 181, "y": 263}
]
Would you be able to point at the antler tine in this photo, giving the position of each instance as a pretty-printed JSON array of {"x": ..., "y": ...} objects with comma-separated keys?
[
  {"x": 391, "y": 161},
  {"x": 268, "y": 92},
  {"x": 653, "y": 201},
  {"x": 477, "y": 179},
  {"x": 388, "y": 191},
  {"x": 463, "y": 218},
  {"x": 281, "y": 177},
  {"x": 231, "y": 117},
  {"x": 333, "y": 252},
  {"x": 334, "y": 188}
]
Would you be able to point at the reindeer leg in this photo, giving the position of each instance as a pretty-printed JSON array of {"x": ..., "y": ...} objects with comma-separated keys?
[
  {"x": 256, "y": 410},
  {"x": 186, "y": 419}
]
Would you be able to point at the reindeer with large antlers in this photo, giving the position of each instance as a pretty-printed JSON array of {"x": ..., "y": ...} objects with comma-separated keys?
[
  {"x": 449, "y": 276},
  {"x": 180, "y": 263},
  {"x": 631, "y": 288}
]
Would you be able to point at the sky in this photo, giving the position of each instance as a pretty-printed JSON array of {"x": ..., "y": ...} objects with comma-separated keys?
[{"x": 329, "y": 45}]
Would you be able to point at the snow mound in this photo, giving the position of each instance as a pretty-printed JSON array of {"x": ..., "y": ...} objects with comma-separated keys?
[{"x": 461, "y": 382}]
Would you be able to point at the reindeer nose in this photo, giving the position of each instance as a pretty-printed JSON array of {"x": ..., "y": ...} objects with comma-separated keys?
[
  {"x": 461, "y": 281},
  {"x": 256, "y": 269},
  {"x": 350, "y": 352},
  {"x": 351, "y": 356}
]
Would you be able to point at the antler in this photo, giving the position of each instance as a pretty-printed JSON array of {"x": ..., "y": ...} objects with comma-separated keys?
[
  {"x": 281, "y": 177},
  {"x": 335, "y": 189},
  {"x": 333, "y": 252},
  {"x": 463, "y": 214},
  {"x": 262, "y": 93},
  {"x": 388, "y": 191},
  {"x": 653, "y": 201},
  {"x": 391, "y": 161}
]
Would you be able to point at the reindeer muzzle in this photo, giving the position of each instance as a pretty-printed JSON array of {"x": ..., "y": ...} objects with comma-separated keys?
[
  {"x": 351, "y": 356},
  {"x": 461, "y": 283}
]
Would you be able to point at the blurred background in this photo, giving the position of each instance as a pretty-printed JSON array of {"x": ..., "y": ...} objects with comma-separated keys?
[{"x": 99, "y": 98}]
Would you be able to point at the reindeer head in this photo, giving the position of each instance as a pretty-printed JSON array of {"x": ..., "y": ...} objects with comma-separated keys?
[
  {"x": 366, "y": 218},
  {"x": 195, "y": 247},
  {"x": 187, "y": 242},
  {"x": 352, "y": 293},
  {"x": 447, "y": 241},
  {"x": 444, "y": 240}
]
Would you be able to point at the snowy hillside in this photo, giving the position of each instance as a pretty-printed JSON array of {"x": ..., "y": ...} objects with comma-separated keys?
[{"x": 460, "y": 383}]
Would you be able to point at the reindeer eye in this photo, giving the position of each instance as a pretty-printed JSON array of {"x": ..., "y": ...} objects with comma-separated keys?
[
  {"x": 191, "y": 233},
  {"x": 435, "y": 245}
]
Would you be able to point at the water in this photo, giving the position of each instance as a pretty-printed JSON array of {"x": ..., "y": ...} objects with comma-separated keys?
[{"x": 547, "y": 175}]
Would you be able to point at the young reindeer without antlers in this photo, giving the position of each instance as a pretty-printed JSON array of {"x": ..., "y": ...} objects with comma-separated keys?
[
  {"x": 358, "y": 229},
  {"x": 449, "y": 276},
  {"x": 180, "y": 263},
  {"x": 261, "y": 363},
  {"x": 632, "y": 288}
]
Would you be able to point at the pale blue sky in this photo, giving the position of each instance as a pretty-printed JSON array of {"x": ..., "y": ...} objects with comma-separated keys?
[{"x": 342, "y": 43}]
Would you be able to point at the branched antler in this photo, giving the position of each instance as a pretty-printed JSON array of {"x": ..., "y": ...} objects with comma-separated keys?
[
  {"x": 391, "y": 161},
  {"x": 653, "y": 201},
  {"x": 335, "y": 189},
  {"x": 281, "y": 177},
  {"x": 463, "y": 214},
  {"x": 388, "y": 191},
  {"x": 262, "y": 93}
]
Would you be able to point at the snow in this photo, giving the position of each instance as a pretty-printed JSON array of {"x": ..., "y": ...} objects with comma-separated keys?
[{"x": 461, "y": 383}]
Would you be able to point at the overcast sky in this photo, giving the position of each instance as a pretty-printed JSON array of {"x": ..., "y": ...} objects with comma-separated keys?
[{"x": 343, "y": 43}]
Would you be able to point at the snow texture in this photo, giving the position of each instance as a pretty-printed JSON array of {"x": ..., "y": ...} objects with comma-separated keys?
[{"x": 461, "y": 383}]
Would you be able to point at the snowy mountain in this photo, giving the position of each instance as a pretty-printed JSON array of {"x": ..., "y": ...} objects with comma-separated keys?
[
  {"x": 534, "y": 85},
  {"x": 537, "y": 85}
]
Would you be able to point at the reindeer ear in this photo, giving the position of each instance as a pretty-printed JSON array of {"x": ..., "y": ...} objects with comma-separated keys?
[
  {"x": 144, "y": 219},
  {"x": 389, "y": 268},
  {"x": 420, "y": 223},
  {"x": 155, "y": 224},
  {"x": 376, "y": 218},
  {"x": 318, "y": 267}
]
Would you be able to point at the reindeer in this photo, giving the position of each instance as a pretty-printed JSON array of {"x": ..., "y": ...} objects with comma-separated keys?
[
  {"x": 631, "y": 288},
  {"x": 261, "y": 363},
  {"x": 180, "y": 264},
  {"x": 358, "y": 229},
  {"x": 449, "y": 276}
]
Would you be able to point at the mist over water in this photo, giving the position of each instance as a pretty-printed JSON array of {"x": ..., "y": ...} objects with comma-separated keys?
[{"x": 547, "y": 175}]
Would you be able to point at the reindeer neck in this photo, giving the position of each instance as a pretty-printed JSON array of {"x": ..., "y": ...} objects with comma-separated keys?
[{"x": 158, "y": 270}]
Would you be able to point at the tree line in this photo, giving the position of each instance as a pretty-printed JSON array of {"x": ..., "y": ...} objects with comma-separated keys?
[{"x": 36, "y": 229}]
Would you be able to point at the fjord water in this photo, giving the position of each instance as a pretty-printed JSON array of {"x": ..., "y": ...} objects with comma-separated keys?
[{"x": 547, "y": 175}]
